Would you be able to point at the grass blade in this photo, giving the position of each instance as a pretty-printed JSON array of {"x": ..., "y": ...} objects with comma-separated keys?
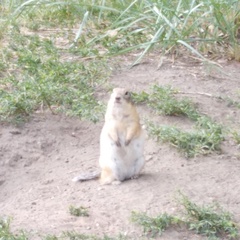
[{"x": 79, "y": 32}]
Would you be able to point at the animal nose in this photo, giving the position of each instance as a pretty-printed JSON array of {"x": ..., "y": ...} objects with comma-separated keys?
[{"x": 118, "y": 98}]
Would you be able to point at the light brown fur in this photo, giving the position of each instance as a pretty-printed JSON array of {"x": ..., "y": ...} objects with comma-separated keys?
[
  {"x": 121, "y": 126},
  {"x": 121, "y": 141},
  {"x": 123, "y": 118}
]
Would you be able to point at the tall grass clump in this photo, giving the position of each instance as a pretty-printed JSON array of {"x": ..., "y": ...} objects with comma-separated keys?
[
  {"x": 205, "y": 29},
  {"x": 40, "y": 70}
]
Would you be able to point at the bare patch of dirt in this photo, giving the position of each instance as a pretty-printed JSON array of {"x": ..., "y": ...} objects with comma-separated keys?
[{"x": 39, "y": 159}]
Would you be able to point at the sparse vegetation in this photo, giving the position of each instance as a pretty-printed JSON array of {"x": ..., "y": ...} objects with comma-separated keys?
[
  {"x": 236, "y": 136},
  {"x": 76, "y": 236},
  {"x": 55, "y": 56},
  {"x": 209, "y": 220},
  {"x": 38, "y": 70},
  {"x": 38, "y": 78},
  {"x": 163, "y": 101},
  {"x": 195, "y": 142},
  {"x": 78, "y": 211},
  {"x": 154, "y": 225},
  {"x": 7, "y": 234},
  {"x": 122, "y": 26},
  {"x": 231, "y": 102},
  {"x": 206, "y": 136}
]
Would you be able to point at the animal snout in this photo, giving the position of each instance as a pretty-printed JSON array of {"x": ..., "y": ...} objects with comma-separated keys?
[{"x": 118, "y": 99}]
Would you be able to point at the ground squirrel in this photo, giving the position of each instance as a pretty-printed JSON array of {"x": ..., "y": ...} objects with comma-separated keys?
[{"x": 121, "y": 141}]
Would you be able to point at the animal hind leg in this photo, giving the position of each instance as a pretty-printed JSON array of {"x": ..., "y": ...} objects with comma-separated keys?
[
  {"x": 107, "y": 176},
  {"x": 139, "y": 163}
]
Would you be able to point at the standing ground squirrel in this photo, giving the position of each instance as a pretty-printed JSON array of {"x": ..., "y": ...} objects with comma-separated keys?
[{"x": 121, "y": 141}]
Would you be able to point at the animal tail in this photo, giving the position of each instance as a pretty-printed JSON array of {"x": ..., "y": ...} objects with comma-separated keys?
[{"x": 87, "y": 176}]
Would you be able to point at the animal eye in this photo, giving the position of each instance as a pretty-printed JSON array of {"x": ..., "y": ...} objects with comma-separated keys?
[{"x": 127, "y": 95}]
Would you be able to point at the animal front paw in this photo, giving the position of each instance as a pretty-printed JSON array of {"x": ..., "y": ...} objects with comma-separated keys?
[
  {"x": 127, "y": 142},
  {"x": 118, "y": 143},
  {"x": 116, "y": 182},
  {"x": 135, "y": 177}
]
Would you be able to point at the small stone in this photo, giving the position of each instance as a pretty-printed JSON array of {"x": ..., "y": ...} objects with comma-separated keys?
[
  {"x": 2, "y": 182},
  {"x": 149, "y": 158},
  {"x": 15, "y": 132}
]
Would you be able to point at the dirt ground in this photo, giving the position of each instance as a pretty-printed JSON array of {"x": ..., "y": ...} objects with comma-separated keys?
[{"x": 39, "y": 159}]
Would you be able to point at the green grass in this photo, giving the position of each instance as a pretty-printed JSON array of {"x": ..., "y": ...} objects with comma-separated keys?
[
  {"x": 38, "y": 71},
  {"x": 76, "y": 236},
  {"x": 55, "y": 55},
  {"x": 236, "y": 136},
  {"x": 37, "y": 76},
  {"x": 119, "y": 27},
  {"x": 208, "y": 220},
  {"x": 163, "y": 100},
  {"x": 6, "y": 233},
  {"x": 78, "y": 211},
  {"x": 191, "y": 143},
  {"x": 153, "y": 226},
  {"x": 204, "y": 138},
  {"x": 230, "y": 102}
]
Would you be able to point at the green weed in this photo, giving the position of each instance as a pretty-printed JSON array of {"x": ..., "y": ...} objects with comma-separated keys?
[
  {"x": 206, "y": 136},
  {"x": 118, "y": 27},
  {"x": 39, "y": 77},
  {"x": 50, "y": 237},
  {"x": 209, "y": 220},
  {"x": 236, "y": 136},
  {"x": 191, "y": 143},
  {"x": 7, "y": 234},
  {"x": 37, "y": 73},
  {"x": 155, "y": 225},
  {"x": 230, "y": 102},
  {"x": 78, "y": 211},
  {"x": 5, "y": 231},
  {"x": 163, "y": 100},
  {"x": 76, "y": 236}
]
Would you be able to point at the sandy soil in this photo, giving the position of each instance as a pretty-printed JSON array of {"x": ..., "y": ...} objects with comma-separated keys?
[{"x": 39, "y": 159}]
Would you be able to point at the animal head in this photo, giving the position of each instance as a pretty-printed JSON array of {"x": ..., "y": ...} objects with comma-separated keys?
[{"x": 121, "y": 96}]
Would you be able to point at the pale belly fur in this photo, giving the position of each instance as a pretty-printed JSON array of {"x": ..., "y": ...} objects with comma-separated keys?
[{"x": 125, "y": 161}]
